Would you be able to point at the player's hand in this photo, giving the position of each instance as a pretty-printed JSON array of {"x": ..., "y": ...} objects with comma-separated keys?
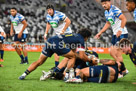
[
  {"x": 95, "y": 61},
  {"x": 97, "y": 36},
  {"x": 19, "y": 35},
  {"x": 62, "y": 32},
  {"x": 118, "y": 33},
  {"x": 45, "y": 36}
]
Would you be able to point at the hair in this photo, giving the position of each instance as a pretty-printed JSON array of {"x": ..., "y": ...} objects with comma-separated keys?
[
  {"x": 124, "y": 42},
  {"x": 131, "y": 1},
  {"x": 49, "y": 6},
  {"x": 14, "y": 8},
  {"x": 104, "y": 0},
  {"x": 85, "y": 33}
]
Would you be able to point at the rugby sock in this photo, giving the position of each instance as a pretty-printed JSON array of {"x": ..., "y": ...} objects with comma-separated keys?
[
  {"x": 21, "y": 56},
  {"x": 27, "y": 72},
  {"x": 62, "y": 70},
  {"x": 57, "y": 69},
  {"x": 56, "y": 63},
  {"x": 2, "y": 53}
]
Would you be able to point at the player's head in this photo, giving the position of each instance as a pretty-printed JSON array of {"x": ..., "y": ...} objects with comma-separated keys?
[
  {"x": 125, "y": 45},
  {"x": 50, "y": 9},
  {"x": 131, "y": 5},
  {"x": 85, "y": 33},
  {"x": 13, "y": 11},
  {"x": 106, "y": 4}
]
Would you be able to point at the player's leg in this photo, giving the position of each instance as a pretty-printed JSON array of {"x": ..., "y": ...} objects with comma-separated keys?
[
  {"x": 17, "y": 47},
  {"x": 56, "y": 59},
  {"x": 1, "y": 51},
  {"x": 33, "y": 66},
  {"x": 25, "y": 53},
  {"x": 23, "y": 42},
  {"x": 62, "y": 65},
  {"x": 72, "y": 57}
]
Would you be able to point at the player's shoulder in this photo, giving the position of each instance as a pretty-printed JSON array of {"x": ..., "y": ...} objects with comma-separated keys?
[
  {"x": 58, "y": 12},
  {"x": 114, "y": 8}
]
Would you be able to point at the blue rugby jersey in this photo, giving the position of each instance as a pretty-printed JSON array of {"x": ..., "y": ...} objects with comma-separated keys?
[
  {"x": 134, "y": 15},
  {"x": 133, "y": 54},
  {"x": 16, "y": 21},
  {"x": 113, "y": 17},
  {"x": 57, "y": 22}
]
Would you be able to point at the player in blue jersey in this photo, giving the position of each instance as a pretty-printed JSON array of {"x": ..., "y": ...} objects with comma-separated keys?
[
  {"x": 2, "y": 37},
  {"x": 131, "y": 6},
  {"x": 116, "y": 20},
  {"x": 19, "y": 24},
  {"x": 63, "y": 45},
  {"x": 59, "y": 22}
]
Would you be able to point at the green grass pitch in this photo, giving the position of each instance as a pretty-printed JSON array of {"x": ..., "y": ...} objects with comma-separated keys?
[{"x": 12, "y": 70}]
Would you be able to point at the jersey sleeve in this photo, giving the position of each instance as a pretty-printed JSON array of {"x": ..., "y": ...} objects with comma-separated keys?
[
  {"x": 47, "y": 19},
  {"x": 117, "y": 12},
  {"x": 1, "y": 30},
  {"x": 105, "y": 15},
  {"x": 62, "y": 16},
  {"x": 21, "y": 18}
]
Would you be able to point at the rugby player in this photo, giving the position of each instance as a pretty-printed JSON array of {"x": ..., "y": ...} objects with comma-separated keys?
[
  {"x": 60, "y": 24},
  {"x": 79, "y": 64},
  {"x": 106, "y": 73},
  {"x": 19, "y": 24},
  {"x": 116, "y": 20},
  {"x": 131, "y": 6},
  {"x": 2, "y": 37},
  {"x": 62, "y": 45},
  {"x": 128, "y": 48}
]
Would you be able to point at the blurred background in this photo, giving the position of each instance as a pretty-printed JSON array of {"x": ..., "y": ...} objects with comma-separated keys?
[{"x": 82, "y": 13}]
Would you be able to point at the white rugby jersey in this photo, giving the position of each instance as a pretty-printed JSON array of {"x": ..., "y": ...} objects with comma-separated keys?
[
  {"x": 57, "y": 22},
  {"x": 1, "y": 30},
  {"x": 16, "y": 21},
  {"x": 113, "y": 17},
  {"x": 134, "y": 15}
]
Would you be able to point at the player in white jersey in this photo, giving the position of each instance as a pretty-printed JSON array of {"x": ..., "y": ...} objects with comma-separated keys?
[
  {"x": 19, "y": 24},
  {"x": 59, "y": 22},
  {"x": 131, "y": 6},
  {"x": 116, "y": 20},
  {"x": 2, "y": 37}
]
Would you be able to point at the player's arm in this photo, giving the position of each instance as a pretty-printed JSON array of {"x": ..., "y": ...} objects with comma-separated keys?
[
  {"x": 24, "y": 26},
  {"x": 3, "y": 34},
  {"x": 118, "y": 56},
  {"x": 48, "y": 26},
  {"x": 11, "y": 30},
  {"x": 123, "y": 23},
  {"x": 83, "y": 56},
  {"x": 106, "y": 26},
  {"x": 107, "y": 61},
  {"x": 68, "y": 22}
]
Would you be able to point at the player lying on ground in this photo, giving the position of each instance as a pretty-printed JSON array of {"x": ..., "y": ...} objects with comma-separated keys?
[
  {"x": 79, "y": 64},
  {"x": 62, "y": 45},
  {"x": 106, "y": 73}
]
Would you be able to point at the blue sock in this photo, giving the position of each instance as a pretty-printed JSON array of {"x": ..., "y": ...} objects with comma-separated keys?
[
  {"x": 61, "y": 70},
  {"x": 21, "y": 56},
  {"x": 2, "y": 53},
  {"x": 78, "y": 77},
  {"x": 26, "y": 59},
  {"x": 56, "y": 69},
  {"x": 56, "y": 63}
]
